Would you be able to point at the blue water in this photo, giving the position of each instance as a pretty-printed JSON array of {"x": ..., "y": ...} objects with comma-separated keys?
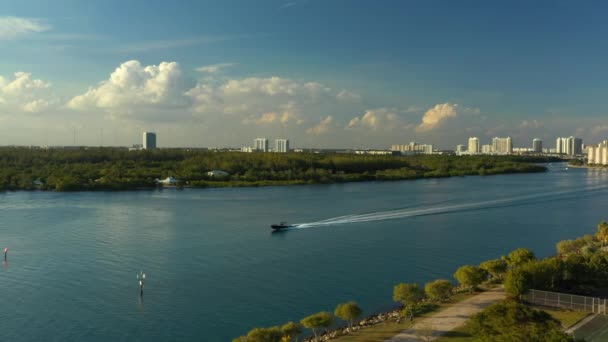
[{"x": 215, "y": 270}]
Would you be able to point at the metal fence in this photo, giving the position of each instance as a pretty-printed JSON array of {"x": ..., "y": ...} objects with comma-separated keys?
[{"x": 566, "y": 301}]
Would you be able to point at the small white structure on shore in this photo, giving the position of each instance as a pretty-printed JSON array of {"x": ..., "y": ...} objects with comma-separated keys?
[
  {"x": 217, "y": 173},
  {"x": 168, "y": 181}
]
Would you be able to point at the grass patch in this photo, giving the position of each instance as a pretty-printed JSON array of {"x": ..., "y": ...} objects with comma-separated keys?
[
  {"x": 460, "y": 334},
  {"x": 565, "y": 317},
  {"x": 378, "y": 332},
  {"x": 386, "y": 330}
]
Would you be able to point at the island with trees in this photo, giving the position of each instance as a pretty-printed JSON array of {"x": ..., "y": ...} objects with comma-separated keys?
[
  {"x": 80, "y": 169},
  {"x": 579, "y": 266}
]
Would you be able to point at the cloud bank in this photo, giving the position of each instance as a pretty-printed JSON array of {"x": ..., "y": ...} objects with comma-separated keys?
[{"x": 15, "y": 27}]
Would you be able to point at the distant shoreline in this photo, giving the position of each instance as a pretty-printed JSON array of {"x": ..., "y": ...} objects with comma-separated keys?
[
  {"x": 113, "y": 169},
  {"x": 228, "y": 184},
  {"x": 601, "y": 167}
]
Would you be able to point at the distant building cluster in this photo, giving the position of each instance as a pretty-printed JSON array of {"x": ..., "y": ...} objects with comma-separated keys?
[
  {"x": 502, "y": 145},
  {"x": 148, "y": 142},
  {"x": 498, "y": 146},
  {"x": 598, "y": 155},
  {"x": 413, "y": 148},
  {"x": 570, "y": 146},
  {"x": 375, "y": 152},
  {"x": 261, "y": 145}
]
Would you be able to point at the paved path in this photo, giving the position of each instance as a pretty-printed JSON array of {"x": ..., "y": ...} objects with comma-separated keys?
[
  {"x": 594, "y": 328},
  {"x": 450, "y": 318}
]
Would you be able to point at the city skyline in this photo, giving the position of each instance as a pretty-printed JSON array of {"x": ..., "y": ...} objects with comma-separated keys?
[{"x": 74, "y": 73}]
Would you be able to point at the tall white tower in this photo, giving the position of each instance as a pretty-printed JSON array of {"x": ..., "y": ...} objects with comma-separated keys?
[
  {"x": 149, "y": 140},
  {"x": 281, "y": 145},
  {"x": 474, "y": 147},
  {"x": 261, "y": 144},
  {"x": 537, "y": 145}
]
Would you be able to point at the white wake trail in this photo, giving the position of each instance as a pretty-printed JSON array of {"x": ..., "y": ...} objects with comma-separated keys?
[{"x": 433, "y": 210}]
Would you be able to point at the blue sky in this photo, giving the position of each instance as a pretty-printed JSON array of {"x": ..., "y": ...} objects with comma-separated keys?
[{"x": 324, "y": 73}]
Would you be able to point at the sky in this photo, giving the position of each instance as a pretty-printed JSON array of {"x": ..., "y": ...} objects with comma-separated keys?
[{"x": 322, "y": 73}]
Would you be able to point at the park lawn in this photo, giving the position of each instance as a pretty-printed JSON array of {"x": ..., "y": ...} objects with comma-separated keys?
[{"x": 386, "y": 330}]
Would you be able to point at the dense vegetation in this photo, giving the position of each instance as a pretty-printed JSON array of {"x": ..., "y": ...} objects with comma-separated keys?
[
  {"x": 580, "y": 266},
  {"x": 576, "y": 162},
  {"x": 511, "y": 321},
  {"x": 120, "y": 169}
]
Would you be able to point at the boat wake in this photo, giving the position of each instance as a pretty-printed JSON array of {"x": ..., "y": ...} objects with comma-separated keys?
[{"x": 444, "y": 209}]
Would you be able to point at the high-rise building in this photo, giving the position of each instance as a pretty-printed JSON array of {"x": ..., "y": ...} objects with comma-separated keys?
[
  {"x": 537, "y": 145},
  {"x": 598, "y": 155},
  {"x": 281, "y": 145},
  {"x": 560, "y": 146},
  {"x": 412, "y": 148},
  {"x": 576, "y": 146},
  {"x": 570, "y": 146},
  {"x": 502, "y": 145},
  {"x": 149, "y": 140},
  {"x": 461, "y": 149},
  {"x": 261, "y": 144},
  {"x": 486, "y": 149},
  {"x": 474, "y": 147}
]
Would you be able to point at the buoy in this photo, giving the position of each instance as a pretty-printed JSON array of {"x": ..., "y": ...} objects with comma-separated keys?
[
  {"x": 5, "y": 252},
  {"x": 141, "y": 276}
]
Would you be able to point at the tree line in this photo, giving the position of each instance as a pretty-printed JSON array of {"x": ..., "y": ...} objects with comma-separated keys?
[
  {"x": 580, "y": 266},
  {"x": 120, "y": 169}
]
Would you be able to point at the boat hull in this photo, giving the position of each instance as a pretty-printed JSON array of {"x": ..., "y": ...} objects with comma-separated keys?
[{"x": 280, "y": 226}]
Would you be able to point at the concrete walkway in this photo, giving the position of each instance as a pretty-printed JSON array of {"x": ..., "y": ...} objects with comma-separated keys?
[
  {"x": 579, "y": 324},
  {"x": 429, "y": 328}
]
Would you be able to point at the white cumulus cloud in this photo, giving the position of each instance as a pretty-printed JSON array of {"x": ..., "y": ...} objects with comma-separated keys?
[
  {"x": 346, "y": 95},
  {"x": 24, "y": 93},
  {"x": 529, "y": 124},
  {"x": 214, "y": 68},
  {"x": 377, "y": 119},
  {"x": 436, "y": 115},
  {"x": 260, "y": 101},
  {"x": 268, "y": 86},
  {"x": 133, "y": 86},
  {"x": 13, "y": 27},
  {"x": 22, "y": 83},
  {"x": 289, "y": 114},
  {"x": 322, "y": 128},
  {"x": 36, "y": 106}
]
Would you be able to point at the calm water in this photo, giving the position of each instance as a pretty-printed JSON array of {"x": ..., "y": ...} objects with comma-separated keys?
[{"x": 215, "y": 270}]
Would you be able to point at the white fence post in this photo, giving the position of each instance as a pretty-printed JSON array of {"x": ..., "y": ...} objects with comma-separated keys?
[
  {"x": 571, "y": 301},
  {"x": 533, "y": 295},
  {"x": 598, "y": 305}
]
